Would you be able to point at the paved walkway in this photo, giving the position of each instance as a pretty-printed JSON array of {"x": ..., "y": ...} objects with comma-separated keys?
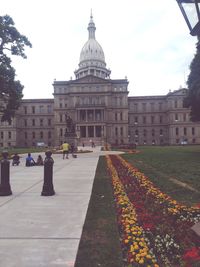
[{"x": 38, "y": 231}]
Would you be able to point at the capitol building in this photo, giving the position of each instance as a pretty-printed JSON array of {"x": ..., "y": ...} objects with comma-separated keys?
[{"x": 101, "y": 110}]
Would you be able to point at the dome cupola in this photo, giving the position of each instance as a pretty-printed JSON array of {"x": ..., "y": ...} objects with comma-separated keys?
[{"x": 92, "y": 60}]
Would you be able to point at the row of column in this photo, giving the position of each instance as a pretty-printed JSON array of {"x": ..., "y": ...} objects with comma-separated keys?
[
  {"x": 90, "y": 115},
  {"x": 91, "y": 131}
]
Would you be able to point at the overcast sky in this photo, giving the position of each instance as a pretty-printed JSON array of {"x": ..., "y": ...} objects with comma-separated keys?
[{"x": 147, "y": 41}]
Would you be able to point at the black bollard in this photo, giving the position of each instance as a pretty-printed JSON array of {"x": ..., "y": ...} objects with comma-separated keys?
[
  {"x": 5, "y": 189},
  {"x": 48, "y": 189}
]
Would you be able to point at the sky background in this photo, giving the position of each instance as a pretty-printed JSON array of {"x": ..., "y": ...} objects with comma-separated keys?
[{"x": 146, "y": 41}]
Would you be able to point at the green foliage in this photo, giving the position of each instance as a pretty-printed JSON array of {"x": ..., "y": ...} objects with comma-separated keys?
[
  {"x": 193, "y": 98},
  {"x": 11, "y": 43}
]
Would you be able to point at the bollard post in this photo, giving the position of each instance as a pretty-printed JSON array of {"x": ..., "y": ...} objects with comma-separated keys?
[
  {"x": 48, "y": 189},
  {"x": 5, "y": 189}
]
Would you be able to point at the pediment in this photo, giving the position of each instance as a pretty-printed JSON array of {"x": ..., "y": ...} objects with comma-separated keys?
[{"x": 179, "y": 92}]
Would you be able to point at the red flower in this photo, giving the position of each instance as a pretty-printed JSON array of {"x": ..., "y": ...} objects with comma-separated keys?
[
  {"x": 192, "y": 255},
  {"x": 148, "y": 226}
]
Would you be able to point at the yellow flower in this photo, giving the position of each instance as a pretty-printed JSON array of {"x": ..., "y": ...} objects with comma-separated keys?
[
  {"x": 141, "y": 261},
  {"x": 148, "y": 256}
]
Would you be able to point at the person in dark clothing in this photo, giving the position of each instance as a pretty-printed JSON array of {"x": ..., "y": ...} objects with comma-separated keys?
[
  {"x": 40, "y": 161},
  {"x": 15, "y": 159},
  {"x": 72, "y": 149}
]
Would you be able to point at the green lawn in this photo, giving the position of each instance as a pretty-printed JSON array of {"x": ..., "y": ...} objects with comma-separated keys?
[
  {"x": 99, "y": 245},
  {"x": 175, "y": 170}
]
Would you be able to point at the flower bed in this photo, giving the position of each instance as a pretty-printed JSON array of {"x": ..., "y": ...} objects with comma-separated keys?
[{"x": 155, "y": 230}]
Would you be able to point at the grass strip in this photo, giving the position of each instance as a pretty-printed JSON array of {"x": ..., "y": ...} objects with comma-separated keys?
[{"x": 99, "y": 244}]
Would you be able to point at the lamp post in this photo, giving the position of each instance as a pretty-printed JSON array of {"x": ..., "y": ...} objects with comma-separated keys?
[{"x": 190, "y": 10}]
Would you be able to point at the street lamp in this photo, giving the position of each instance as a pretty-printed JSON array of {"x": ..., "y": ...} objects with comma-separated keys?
[{"x": 190, "y": 11}]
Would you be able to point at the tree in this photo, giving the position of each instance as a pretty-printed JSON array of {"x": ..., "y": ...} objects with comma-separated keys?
[
  {"x": 11, "y": 43},
  {"x": 193, "y": 97}
]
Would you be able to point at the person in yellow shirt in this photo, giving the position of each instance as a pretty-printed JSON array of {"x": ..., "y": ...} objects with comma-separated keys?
[{"x": 65, "y": 149}]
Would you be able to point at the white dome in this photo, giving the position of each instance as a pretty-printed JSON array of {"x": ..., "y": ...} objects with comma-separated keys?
[
  {"x": 92, "y": 51},
  {"x": 92, "y": 59}
]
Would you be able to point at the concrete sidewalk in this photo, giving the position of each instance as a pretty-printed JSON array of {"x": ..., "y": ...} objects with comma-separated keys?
[{"x": 39, "y": 231}]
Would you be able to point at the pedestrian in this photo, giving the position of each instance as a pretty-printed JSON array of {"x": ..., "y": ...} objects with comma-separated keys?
[
  {"x": 30, "y": 161},
  {"x": 65, "y": 149},
  {"x": 72, "y": 149},
  {"x": 15, "y": 159},
  {"x": 39, "y": 161}
]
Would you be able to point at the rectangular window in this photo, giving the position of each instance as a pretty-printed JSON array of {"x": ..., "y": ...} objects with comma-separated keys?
[
  {"x": 33, "y": 122},
  {"x": 83, "y": 131},
  {"x": 2, "y": 135},
  {"x": 41, "y": 109},
  {"x": 48, "y": 109},
  {"x": 83, "y": 115},
  {"x": 41, "y": 122},
  {"x": 121, "y": 116},
  {"x": 144, "y": 106},
  {"x": 152, "y": 119},
  {"x": 90, "y": 131},
  {"x": 33, "y": 110},
  {"x": 152, "y": 106},
  {"x": 61, "y": 132},
  {"x": 135, "y": 107},
  {"x": 25, "y": 110},
  {"x": 41, "y": 135},
  {"x": 136, "y": 120},
  {"x": 25, "y": 135},
  {"x": 161, "y": 119},
  {"x": 115, "y": 116},
  {"x": 9, "y": 135},
  {"x": 25, "y": 123},
  {"x": 33, "y": 135},
  {"x": 193, "y": 131},
  {"x": 49, "y": 122},
  {"x": 177, "y": 131},
  {"x": 49, "y": 134},
  {"x": 144, "y": 120},
  {"x": 121, "y": 131},
  {"x": 98, "y": 131},
  {"x": 185, "y": 131}
]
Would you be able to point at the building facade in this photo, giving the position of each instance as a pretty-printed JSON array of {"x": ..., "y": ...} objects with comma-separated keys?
[{"x": 101, "y": 110}]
